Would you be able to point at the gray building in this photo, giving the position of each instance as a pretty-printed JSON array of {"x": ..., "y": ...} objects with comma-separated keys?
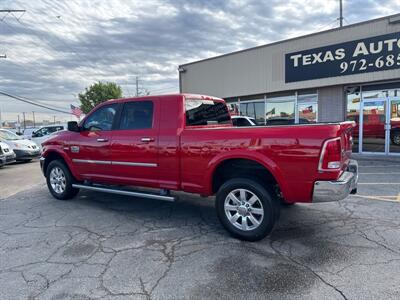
[{"x": 347, "y": 73}]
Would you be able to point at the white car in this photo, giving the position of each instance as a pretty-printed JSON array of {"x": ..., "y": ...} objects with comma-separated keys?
[
  {"x": 27, "y": 134},
  {"x": 43, "y": 133},
  {"x": 25, "y": 150},
  {"x": 240, "y": 121}
]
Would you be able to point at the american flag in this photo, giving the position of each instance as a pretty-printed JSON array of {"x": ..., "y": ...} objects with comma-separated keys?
[{"x": 76, "y": 111}]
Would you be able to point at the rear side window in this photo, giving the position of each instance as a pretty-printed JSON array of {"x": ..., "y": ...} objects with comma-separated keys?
[
  {"x": 206, "y": 112},
  {"x": 137, "y": 115}
]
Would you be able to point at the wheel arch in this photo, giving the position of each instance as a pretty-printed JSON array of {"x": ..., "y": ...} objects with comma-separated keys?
[
  {"x": 52, "y": 155},
  {"x": 221, "y": 169}
]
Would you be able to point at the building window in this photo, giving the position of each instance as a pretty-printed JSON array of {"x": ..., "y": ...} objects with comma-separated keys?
[
  {"x": 307, "y": 107},
  {"x": 353, "y": 95},
  {"x": 233, "y": 108},
  {"x": 290, "y": 109},
  {"x": 254, "y": 109},
  {"x": 353, "y": 103},
  {"x": 280, "y": 109}
]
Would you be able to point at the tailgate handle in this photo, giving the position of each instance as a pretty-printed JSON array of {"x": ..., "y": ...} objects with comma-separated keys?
[
  {"x": 102, "y": 140},
  {"x": 147, "y": 139}
]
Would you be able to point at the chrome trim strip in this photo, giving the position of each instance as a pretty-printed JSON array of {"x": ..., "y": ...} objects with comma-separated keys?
[
  {"x": 89, "y": 161},
  {"x": 124, "y": 192},
  {"x": 119, "y": 163},
  {"x": 134, "y": 164}
]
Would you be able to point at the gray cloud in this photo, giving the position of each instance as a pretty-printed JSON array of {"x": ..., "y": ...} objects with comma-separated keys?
[{"x": 60, "y": 47}]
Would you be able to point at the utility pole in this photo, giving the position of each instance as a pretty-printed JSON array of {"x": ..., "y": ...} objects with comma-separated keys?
[
  {"x": 34, "y": 123},
  {"x": 341, "y": 13},
  {"x": 54, "y": 120},
  {"x": 23, "y": 114}
]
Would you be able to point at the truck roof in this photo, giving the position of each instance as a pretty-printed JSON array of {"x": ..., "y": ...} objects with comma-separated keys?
[{"x": 186, "y": 95}]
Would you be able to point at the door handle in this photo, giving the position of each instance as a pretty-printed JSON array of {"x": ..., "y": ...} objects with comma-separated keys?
[
  {"x": 147, "y": 139},
  {"x": 102, "y": 140}
]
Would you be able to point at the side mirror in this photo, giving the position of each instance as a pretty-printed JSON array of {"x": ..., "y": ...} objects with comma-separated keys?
[
  {"x": 73, "y": 126},
  {"x": 34, "y": 134}
]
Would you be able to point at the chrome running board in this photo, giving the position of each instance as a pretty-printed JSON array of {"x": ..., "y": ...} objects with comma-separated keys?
[{"x": 124, "y": 192}]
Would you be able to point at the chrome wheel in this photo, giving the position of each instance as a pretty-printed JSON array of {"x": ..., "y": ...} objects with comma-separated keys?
[
  {"x": 244, "y": 209},
  {"x": 57, "y": 180}
]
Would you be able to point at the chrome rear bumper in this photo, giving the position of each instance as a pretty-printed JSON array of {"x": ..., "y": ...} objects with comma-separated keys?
[{"x": 328, "y": 191}]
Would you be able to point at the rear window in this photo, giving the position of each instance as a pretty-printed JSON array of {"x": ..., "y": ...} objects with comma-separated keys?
[
  {"x": 137, "y": 115},
  {"x": 206, "y": 112}
]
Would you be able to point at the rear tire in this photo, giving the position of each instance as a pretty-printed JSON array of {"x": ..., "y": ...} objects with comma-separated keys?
[
  {"x": 59, "y": 181},
  {"x": 396, "y": 138},
  {"x": 246, "y": 209}
]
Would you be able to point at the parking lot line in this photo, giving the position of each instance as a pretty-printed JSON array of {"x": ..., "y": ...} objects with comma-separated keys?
[
  {"x": 380, "y": 183},
  {"x": 381, "y": 198},
  {"x": 379, "y": 173},
  {"x": 375, "y": 167}
]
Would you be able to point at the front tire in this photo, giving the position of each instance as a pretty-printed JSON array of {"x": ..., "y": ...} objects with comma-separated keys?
[
  {"x": 247, "y": 209},
  {"x": 59, "y": 181}
]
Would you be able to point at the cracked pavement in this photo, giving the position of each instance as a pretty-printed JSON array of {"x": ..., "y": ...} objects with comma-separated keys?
[{"x": 101, "y": 246}]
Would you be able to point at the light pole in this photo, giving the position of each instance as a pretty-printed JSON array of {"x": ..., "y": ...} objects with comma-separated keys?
[{"x": 23, "y": 114}]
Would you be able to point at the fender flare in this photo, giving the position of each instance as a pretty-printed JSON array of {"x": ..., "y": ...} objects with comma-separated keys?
[
  {"x": 266, "y": 162},
  {"x": 65, "y": 157}
]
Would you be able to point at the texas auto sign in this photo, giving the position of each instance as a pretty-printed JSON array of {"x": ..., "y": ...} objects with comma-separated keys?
[{"x": 361, "y": 56}]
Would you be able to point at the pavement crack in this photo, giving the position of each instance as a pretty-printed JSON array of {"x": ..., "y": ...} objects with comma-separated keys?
[{"x": 290, "y": 258}]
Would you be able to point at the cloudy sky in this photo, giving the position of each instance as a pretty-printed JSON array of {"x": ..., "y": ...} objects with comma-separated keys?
[{"x": 57, "y": 48}]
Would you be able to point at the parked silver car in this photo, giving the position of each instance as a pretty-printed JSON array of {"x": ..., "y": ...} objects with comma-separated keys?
[{"x": 25, "y": 150}]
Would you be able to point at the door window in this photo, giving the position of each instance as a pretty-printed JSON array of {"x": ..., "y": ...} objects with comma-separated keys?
[
  {"x": 41, "y": 132},
  {"x": 101, "y": 119},
  {"x": 394, "y": 145},
  {"x": 373, "y": 137},
  {"x": 137, "y": 115}
]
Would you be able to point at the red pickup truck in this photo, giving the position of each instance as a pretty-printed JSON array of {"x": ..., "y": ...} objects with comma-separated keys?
[{"x": 187, "y": 143}]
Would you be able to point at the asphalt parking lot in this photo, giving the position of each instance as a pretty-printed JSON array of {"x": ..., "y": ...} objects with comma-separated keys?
[{"x": 99, "y": 246}]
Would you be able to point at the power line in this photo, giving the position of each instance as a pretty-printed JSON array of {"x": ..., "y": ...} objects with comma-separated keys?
[
  {"x": 19, "y": 98},
  {"x": 11, "y": 11}
]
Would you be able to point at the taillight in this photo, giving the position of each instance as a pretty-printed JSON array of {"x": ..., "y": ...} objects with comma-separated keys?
[{"x": 331, "y": 155}]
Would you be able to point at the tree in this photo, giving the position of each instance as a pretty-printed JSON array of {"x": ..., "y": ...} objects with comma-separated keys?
[{"x": 98, "y": 93}]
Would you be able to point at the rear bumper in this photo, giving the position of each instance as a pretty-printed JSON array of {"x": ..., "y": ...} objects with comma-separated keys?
[{"x": 328, "y": 191}]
